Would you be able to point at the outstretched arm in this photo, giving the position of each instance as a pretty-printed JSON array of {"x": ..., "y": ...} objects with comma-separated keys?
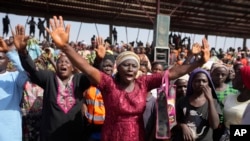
[
  {"x": 180, "y": 70},
  {"x": 60, "y": 35},
  {"x": 20, "y": 42},
  {"x": 36, "y": 75}
]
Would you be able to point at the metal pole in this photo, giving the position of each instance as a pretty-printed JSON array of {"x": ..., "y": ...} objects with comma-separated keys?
[
  {"x": 79, "y": 32},
  {"x": 96, "y": 29},
  {"x": 215, "y": 42},
  {"x": 137, "y": 34},
  {"x": 126, "y": 34},
  {"x": 148, "y": 35},
  {"x": 158, "y": 7},
  {"x": 26, "y": 23},
  {"x": 224, "y": 43}
]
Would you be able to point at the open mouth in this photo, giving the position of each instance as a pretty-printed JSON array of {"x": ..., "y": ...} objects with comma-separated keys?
[
  {"x": 108, "y": 71},
  {"x": 63, "y": 69},
  {"x": 129, "y": 76}
]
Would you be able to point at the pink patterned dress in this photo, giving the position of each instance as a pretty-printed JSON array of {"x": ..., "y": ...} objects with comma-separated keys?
[{"x": 124, "y": 111}]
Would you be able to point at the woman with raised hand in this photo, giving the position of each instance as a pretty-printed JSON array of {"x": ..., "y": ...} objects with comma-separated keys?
[
  {"x": 62, "y": 98},
  {"x": 124, "y": 95}
]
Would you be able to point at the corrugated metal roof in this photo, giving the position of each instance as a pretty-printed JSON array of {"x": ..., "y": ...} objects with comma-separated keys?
[{"x": 212, "y": 17}]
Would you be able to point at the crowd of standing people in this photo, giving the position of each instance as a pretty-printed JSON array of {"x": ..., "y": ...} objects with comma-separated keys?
[{"x": 63, "y": 91}]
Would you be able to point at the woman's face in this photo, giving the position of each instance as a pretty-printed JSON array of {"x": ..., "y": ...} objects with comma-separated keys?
[
  {"x": 107, "y": 67},
  {"x": 142, "y": 50},
  {"x": 181, "y": 87},
  {"x": 200, "y": 80},
  {"x": 137, "y": 50},
  {"x": 157, "y": 68},
  {"x": 237, "y": 81},
  {"x": 64, "y": 67},
  {"x": 128, "y": 70},
  {"x": 231, "y": 74},
  {"x": 219, "y": 75},
  {"x": 143, "y": 69}
]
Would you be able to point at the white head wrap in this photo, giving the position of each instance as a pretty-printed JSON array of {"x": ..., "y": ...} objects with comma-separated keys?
[{"x": 126, "y": 55}]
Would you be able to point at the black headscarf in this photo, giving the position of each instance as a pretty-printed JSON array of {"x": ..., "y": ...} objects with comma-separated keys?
[{"x": 109, "y": 57}]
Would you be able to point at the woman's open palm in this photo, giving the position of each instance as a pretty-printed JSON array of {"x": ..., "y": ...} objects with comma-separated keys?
[
  {"x": 3, "y": 46},
  {"x": 205, "y": 50},
  {"x": 20, "y": 40},
  {"x": 100, "y": 50},
  {"x": 196, "y": 48},
  {"x": 59, "y": 34}
]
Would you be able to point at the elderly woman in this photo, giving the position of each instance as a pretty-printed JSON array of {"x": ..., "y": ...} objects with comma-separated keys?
[
  {"x": 124, "y": 95},
  {"x": 198, "y": 112}
]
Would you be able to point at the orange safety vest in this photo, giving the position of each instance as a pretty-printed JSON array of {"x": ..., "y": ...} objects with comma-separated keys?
[{"x": 96, "y": 110}]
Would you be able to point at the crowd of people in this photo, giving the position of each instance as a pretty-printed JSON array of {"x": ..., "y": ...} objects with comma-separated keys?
[{"x": 61, "y": 91}]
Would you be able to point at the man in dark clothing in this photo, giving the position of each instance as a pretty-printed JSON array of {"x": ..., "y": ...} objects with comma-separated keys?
[
  {"x": 115, "y": 35},
  {"x": 41, "y": 28},
  {"x": 32, "y": 24},
  {"x": 6, "y": 22}
]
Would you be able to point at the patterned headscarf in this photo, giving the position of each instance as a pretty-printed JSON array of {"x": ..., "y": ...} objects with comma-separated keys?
[
  {"x": 191, "y": 78},
  {"x": 126, "y": 55},
  {"x": 218, "y": 65},
  {"x": 245, "y": 75}
]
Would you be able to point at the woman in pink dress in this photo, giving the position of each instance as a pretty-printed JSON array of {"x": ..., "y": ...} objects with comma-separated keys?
[{"x": 124, "y": 95}]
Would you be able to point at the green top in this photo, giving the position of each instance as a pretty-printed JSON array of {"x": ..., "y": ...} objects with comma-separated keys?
[{"x": 222, "y": 94}]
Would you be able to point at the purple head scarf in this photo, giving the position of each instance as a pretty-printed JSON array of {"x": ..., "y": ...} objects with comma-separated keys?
[{"x": 191, "y": 78}]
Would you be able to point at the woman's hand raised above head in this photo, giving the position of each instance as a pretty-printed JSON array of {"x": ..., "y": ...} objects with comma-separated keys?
[
  {"x": 205, "y": 50},
  {"x": 20, "y": 40},
  {"x": 3, "y": 46},
  {"x": 58, "y": 32},
  {"x": 196, "y": 48},
  {"x": 100, "y": 50}
]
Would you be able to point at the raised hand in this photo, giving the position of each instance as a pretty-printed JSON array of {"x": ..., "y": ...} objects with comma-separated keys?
[
  {"x": 20, "y": 40},
  {"x": 205, "y": 50},
  {"x": 196, "y": 48},
  {"x": 3, "y": 46},
  {"x": 100, "y": 50},
  {"x": 59, "y": 34}
]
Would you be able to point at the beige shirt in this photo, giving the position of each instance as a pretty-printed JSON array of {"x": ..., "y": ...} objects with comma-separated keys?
[{"x": 233, "y": 110}]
